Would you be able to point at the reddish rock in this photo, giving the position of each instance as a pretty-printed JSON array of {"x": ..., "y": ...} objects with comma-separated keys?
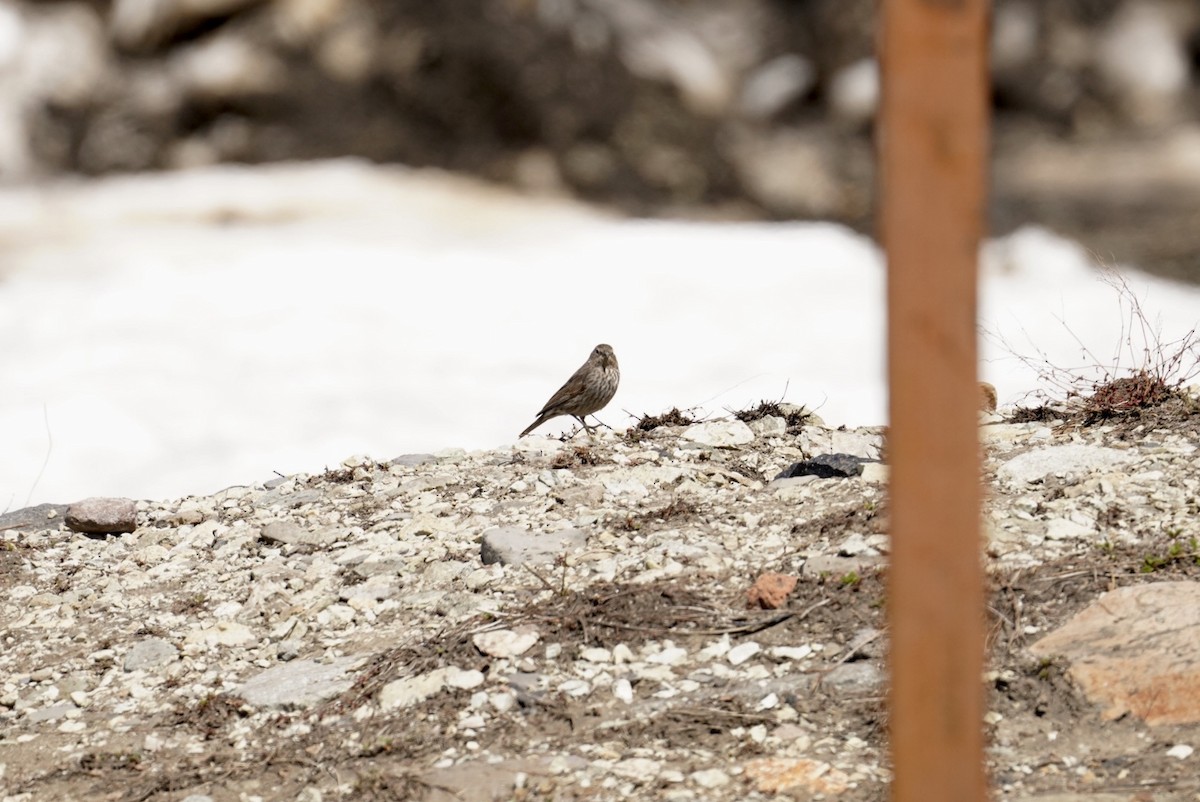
[
  {"x": 102, "y": 516},
  {"x": 770, "y": 591},
  {"x": 773, "y": 775},
  {"x": 1136, "y": 650}
]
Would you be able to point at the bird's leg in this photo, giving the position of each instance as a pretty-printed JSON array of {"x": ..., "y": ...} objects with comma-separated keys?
[{"x": 583, "y": 422}]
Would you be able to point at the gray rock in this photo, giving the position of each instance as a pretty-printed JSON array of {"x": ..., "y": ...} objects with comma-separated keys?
[
  {"x": 410, "y": 460},
  {"x": 39, "y": 517},
  {"x": 52, "y": 713},
  {"x": 1070, "y": 458},
  {"x": 300, "y": 683},
  {"x": 149, "y": 653},
  {"x": 296, "y": 535},
  {"x": 102, "y": 516},
  {"x": 863, "y": 676},
  {"x": 510, "y": 545}
]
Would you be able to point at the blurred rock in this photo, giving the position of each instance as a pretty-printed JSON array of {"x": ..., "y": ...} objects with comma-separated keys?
[{"x": 1142, "y": 56}]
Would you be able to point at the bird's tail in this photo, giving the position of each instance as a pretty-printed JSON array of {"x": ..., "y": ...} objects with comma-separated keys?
[{"x": 540, "y": 420}]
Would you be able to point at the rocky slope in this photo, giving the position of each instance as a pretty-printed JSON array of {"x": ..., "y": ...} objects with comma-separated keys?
[{"x": 570, "y": 620}]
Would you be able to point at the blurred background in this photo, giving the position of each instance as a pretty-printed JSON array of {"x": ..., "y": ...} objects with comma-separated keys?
[{"x": 245, "y": 236}]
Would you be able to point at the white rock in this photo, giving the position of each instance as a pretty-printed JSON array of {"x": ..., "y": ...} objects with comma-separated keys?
[
  {"x": 670, "y": 656},
  {"x": 791, "y": 652},
  {"x": 718, "y": 433},
  {"x": 464, "y": 680},
  {"x": 623, "y": 690},
  {"x": 224, "y": 633},
  {"x": 1064, "y": 529},
  {"x": 854, "y": 91},
  {"x": 506, "y": 642},
  {"x": 773, "y": 85},
  {"x": 710, "y": 778},
  {"x": 641, "y": 769},
  {"x": 596, "y": 655},
  {"x": 409, "y": 691},
  {"x": 1143, "y": 55},
  {"x": 1069, "y": 458},
  {"x": 743, "y": 652},
  {"x": 1180, "y": 751}
]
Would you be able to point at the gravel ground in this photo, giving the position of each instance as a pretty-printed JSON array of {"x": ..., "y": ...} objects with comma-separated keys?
[{"x": 340, "y": 635}]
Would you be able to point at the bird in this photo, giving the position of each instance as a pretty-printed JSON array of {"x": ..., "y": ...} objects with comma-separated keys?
[{"x": 587, "y": 391}]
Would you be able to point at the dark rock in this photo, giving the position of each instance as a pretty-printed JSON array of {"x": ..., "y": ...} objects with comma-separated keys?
[
  {"x": 102, "y": 516},
  {"x": 826, "y": 466}
]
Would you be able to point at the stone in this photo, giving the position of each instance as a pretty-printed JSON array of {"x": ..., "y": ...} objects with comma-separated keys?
[
  {"x": 33, "y": 518},
  {"x": 719, "y": 433},
  {"x": 742, "y": 652},
  {"x": 102, "y": 516},
  {"x": 510, "y": 545},
  {"x": 640, "y": 769},
  {"x": 862, "y": 676},
  {"x": 774, "y": 775},
  {"x": 477, "y": 779},
  {"x": 52, "y": 713},
  {"x": 293, "y": 534},
  {"x": 223, "y": 633},
  {"x": 300, "y": 683},
  {"x": 710, "y": 778},
  {"x": 1136, "y": 650},
  {"x": 408, "y": 691},
  {"x": 853, "y": 91},
  {"x": 412, "y": 460},
  {"x": 506, "y": 642},
  {"x": 1069, "y": 458},
  {"x": 149, "y": 653},
  {"x": 775, "y": 84},
  {"x": 770, "y": 591},
  {"x": 825, "y": 466}
]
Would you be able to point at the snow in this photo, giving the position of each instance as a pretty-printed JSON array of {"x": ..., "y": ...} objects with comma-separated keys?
[{"x": 177, "y": 333}]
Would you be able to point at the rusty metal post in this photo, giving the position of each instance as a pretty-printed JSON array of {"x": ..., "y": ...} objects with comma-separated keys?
[{"x": 933, "y": 151}]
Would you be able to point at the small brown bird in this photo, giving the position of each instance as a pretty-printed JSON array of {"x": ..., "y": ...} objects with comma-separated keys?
[{"x": 589, "y": 390}]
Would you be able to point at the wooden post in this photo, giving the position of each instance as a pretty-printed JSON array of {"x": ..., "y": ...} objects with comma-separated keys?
[{"x": 933, "y": 156}]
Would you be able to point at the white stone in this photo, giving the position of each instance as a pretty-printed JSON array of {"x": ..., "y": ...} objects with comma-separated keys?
[
  {"x": 641, "y": 769},
  {"x": 623, "y": 690},
  {"x": 710, "y": 778},
  {"x": 464, "y": 680},
  {"x": 854, "y": 91},
  {"x": 1180, "y": 751},
  {"x": 773, "y": 85},
  {"x": 409, "y": 691},
  {"x": 1069, "y": 458},
  {"x": 670, "y": 656},
  {"x": 743, "y": 652},
  {"x": 596, "y": 655},
  {"x": 719, "y": 433},
  {"x": 223, "y": 633},
  {"x": 791, "y": 652},
  {"x": 1064, "y": 529},
  {"x": 506, "y": 642}
]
